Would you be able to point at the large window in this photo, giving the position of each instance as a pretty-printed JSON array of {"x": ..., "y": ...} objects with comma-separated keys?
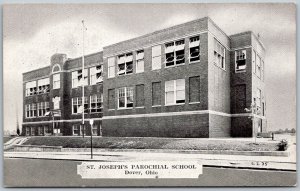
[
  {"x": 175, "y": 92},
  {"x": 125, "y": 64},
  {"x": 111, "y": 67},
  {"x": 77, "y": 105},
  {"x": 96, "y": 75},
  {"x": 194, "y": 46},
  {"x": 240, "y": 60},
  {"x": 56, "y": 81},
  {"x": 219, "y": 54},
  {"x": 77, "y": 79},
  {"x": 156, "y": 57},
  {"x": 125, "y": 97},
  {"x": 31, "y": 88},
  {"x": 94, "y": 129},
  {"x": 96, "y": 103},
  {"x": 140, "y": 61},
  {"x": 43, "y": 86},
  {"x": 174, "y": 53},
  {"x": 30, "y": 110},
  {"x": 42, "y": 108}
]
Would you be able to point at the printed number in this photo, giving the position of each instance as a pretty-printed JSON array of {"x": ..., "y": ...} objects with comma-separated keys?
[{"x": 259, "y": 163}]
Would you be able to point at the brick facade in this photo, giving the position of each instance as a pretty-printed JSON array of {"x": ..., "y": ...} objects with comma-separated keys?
[{"x": 219, "y": 93}]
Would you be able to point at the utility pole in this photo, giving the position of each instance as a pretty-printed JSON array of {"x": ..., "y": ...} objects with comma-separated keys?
[{"x": 83, "y": 100}]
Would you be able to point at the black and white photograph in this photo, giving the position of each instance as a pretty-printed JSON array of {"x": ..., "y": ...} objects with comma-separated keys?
[{"x": 149, "y": 95}]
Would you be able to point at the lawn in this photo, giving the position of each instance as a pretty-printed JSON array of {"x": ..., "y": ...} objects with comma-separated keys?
[{"x": 152, "y": 143}]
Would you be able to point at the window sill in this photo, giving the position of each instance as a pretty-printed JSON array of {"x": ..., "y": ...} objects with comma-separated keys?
[
  {"x": 125, "y": 108},
  {"x": 244, "y": 71},
  {"x": 111, "y": 109},
  {"x": 125, "y": 74},
  {"x": 175, "y": 104},
  {"x": 194, "y": 103},
  {"x": 197, "y": 61},
  {"x": 156, "y": 105},
  {"x": 176, "y": 65}
]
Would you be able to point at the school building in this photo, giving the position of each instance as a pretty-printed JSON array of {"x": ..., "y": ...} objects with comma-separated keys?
[{"x": 189, "y": 80}]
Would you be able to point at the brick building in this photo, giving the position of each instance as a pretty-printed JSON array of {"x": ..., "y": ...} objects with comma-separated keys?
[{"x": 190, "y": 80}]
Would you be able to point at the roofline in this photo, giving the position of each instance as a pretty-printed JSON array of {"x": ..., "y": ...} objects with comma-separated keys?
[
  {"x": 158, "y": 31},
  {"x": 71, "y": 59},
  {"x": 217, "y": 27},
  {"x": 35, "y": 70},
  {"x": 252, "y": 33}
]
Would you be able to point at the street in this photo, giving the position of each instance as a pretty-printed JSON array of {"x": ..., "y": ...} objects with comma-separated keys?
[{"x": 20, "y": 172}]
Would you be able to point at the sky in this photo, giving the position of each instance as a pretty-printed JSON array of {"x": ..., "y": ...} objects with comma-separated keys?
[{"x": 33, "y": 33}]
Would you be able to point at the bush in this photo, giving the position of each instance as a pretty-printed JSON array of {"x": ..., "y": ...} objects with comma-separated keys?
[{"x": 282, "y": 145}]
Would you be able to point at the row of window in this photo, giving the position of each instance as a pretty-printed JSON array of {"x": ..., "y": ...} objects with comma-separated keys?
[
  {"x": 174, "y": 55},
  {"x": 36, "y": 109},
  {"x": 174, "y": 91},
  {"x": 43, "y": 85},
  {"x": 40, "y": 130},
  {"x": 96, "y": 76},
  {"x": 78, "y": 130},
  {"x": 94, "y": 106}
]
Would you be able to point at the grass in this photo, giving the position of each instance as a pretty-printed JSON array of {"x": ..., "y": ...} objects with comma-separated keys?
[
  {"x": 152, "y": 143},
  {"x": 5, "y": 139}
]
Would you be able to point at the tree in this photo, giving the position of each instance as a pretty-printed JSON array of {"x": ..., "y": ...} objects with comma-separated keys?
[{"x": 293, "y": 130}]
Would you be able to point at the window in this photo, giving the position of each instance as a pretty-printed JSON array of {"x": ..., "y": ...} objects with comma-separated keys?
[
  {"x": 111, "y": 67},
  {"x": 194, "y": 49},
  {"x": 125, "y": 64},
  {"x": 240, "y": 60},
  {"x": 31, "y": 88},
  {"x": 156, "y": 93},
  {"x": 156, "y": 57},
  {"x": 174, "y": 53},
  {"x": 77, "y": 78},
  {"x": 27, "y": 130},
  {"x": 56, "y": 101},
  {"x": 46, "y": 130},
  {"x": 41, "y": 109},
  {"x": 77, "y": 105},
  {"x": 76, "y": 129},
  {"x": 43, "y": 86},
  {"x": 254, "y": 61},
  {"x": 111, "y": 99},
  {"x": 40, "y": 130},
  {"x": 140, "y": 61},
  {"x": 33, "y": 110},
  {"x": 140, "y": 95},
  {"x": 175, "y": 91},
  {"x": 56, "y": 81},
  {"x": 32, "y": 131},
  {"x": 27, "y": 110},
  {"x": 96, "y": 103},
  {"x": 96, "y": 75},
  {"x": 125, "y": 97},
  {"x": 194, "y": 89},
  {"x": 258, "y": 67},
  {"x": 258, "y": 96},
  {"x": 47, "y": 108},
  {"x": 94, "y": 130},
  {"x": 219, "y": 54}
]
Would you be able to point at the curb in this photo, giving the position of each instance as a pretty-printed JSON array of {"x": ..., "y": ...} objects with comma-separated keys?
[{"x": 218, "y": 152}]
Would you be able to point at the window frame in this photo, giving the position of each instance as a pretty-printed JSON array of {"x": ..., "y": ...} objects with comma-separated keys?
[
  {"x": 56, "y": 81},
  {"x": 189, "y": 57},
  {"x": 96, "y": 97},
  {"x": 175, "y": 92},
  {"x": 154, "y": 57},
  {"x": 111, "y": 67},
  {"x": 28, "y": 86},
  {"x": 140, "y": 61},
  {"x": 235, "y": 61},
  {"x": 78, "y": 128},
  {"x": 219, "y": 54},
  {"x": 126, "y": 97},
  {"x": 76, "y": 74},
  {"x": 175, "y": 52},
  {"x": 93, "y": 74},
  {"x": 126, "y": 63},
  {"x": 44, "y": 83}
]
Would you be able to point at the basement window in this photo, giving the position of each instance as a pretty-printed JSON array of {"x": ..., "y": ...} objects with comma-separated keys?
[
  {"x": 240, "y": 61},
  {"x": 43, "y": 86},
  {"x": 77, "y": 105},
  {"x": 96, "y": 75},
  {"x": 125, "y": 97},
  {"x": 175, "y": 92},
  {"x": 125, "y": 64},
  {"x": 194, "y": 49}
]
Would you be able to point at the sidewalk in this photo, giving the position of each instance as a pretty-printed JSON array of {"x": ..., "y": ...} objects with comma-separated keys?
[{"x": 241, "y": 161}]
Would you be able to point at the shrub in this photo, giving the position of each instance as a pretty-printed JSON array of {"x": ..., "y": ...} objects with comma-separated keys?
[{"x": 282, "y": 145}]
